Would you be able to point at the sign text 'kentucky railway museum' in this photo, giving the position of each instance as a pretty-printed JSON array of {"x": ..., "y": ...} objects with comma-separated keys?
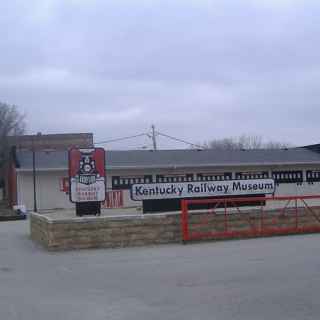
[{"x": 152, "y": 191}]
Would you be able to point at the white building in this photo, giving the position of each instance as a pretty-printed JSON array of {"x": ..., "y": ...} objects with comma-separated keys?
[{"x": 296, "y": 171}]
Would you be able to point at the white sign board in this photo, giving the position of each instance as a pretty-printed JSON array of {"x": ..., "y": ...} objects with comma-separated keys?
[
  {"x": 86, "y": 193},
  {"x": 152, "y": 191}
]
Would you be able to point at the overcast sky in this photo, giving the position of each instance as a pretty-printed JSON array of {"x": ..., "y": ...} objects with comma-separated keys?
[{"x": 198, "y": 70}]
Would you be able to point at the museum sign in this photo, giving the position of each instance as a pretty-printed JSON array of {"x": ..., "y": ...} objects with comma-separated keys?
[{"x": 153, "y": 191}]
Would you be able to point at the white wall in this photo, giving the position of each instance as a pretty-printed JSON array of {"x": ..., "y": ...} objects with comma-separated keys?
[
  {"x": 48, "y": 192},
  {"x": 282, "y": 189},
  {"x": 49, "y": 195}
]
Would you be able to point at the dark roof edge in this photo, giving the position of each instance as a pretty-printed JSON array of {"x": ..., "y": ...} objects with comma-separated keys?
[
  {"x": 313, "y": 147},
  {"x": 239, "y": 164},
  {"x": 222, "y": 165},
  {"x": 14, "y": 157}
]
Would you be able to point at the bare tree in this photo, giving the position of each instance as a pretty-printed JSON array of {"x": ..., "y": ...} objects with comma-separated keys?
[
  {"x": 245, "y": 142},
  {"x": 12, "y": 124}
]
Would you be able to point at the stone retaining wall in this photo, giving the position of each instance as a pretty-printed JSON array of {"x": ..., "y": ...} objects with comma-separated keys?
[
  {"x": 149, "y": 229},
  {"x": 105, "y": 232}
]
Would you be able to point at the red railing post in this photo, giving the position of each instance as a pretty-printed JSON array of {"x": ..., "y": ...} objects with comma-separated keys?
[
  {"x": 225, "y": 217},
  {"x": 261, "y": 219},
  {"x": 296, "y": 212},
  {"x": 184, "y": 220}
]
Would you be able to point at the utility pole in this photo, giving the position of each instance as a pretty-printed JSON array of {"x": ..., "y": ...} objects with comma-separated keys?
[
  {"x": 154, "y": 138},
  {"x": 35, "y": 208}
]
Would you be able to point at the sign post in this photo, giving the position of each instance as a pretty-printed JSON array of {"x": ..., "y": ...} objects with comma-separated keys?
[{"x": 87, "y": 181}]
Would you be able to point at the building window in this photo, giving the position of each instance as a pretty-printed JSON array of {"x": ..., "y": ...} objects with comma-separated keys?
[
  {"x": 287, "y": 176},
  {"x": 125, "y": 182},
  {"x": 313, "y": 175},
  {"x": 174, "y": 178},
  {"x": 214, "y": 176},
  {"x": 252, "y": 175}
]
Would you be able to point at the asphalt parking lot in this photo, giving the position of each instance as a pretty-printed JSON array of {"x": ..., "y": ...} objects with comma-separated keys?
[{"x": 277, "y": 278}]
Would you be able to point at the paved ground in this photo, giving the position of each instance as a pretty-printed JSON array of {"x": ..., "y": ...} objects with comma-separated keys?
[{"x": 274, "y": 278}]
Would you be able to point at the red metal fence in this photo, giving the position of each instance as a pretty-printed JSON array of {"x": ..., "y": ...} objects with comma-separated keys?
[
  {"x": 229, "y": 218},
  {"x": 114, "y": 199}
]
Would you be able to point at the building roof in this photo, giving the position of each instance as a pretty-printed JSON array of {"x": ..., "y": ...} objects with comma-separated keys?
[
  {"x": 140, "y": 159},
  {"x": 57, "y": 141}
]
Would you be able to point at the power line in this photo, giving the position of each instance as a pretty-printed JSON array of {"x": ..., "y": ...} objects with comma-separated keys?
[
  {"x": 153, "y": 137},
  {"x": 180, "y": 140},
  {"x": 121, "y": 139}
]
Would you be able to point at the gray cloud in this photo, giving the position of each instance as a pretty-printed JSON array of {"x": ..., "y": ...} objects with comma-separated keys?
[{"x": 197, "y": 69}]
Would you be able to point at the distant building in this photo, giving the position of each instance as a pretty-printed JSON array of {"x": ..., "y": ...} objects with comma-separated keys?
[
  {"x": 61, "y": 141},
  {"x": 39, "y": 143},
  {"x": 296, "y": 171}
]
